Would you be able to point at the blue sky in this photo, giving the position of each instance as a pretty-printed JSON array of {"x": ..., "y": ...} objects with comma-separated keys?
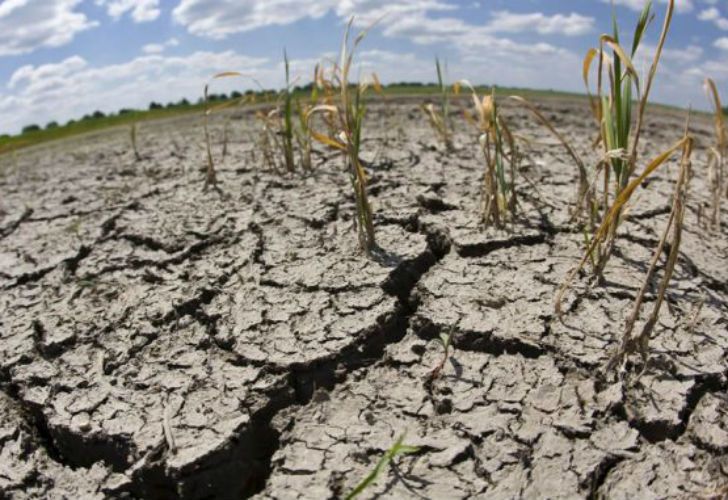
[{"x": 60, "y": 59}]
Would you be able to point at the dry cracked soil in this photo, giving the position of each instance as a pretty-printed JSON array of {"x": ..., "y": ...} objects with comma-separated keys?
[{"x": 158, "y": 341}]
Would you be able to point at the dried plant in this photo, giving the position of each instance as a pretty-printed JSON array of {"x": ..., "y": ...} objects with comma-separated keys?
[
  {"x": 584, "y": 194},
  {"x": 281, "y": 132},
  {"x": 268, "y": 141},
  {"x": 498, "y": 196},
  {"x": 345, "y": 119},
  {"x": 225, "y": 139},
  {"x": 211, "y": 175},
  {"x": 605, "y": 229},
  {"x": 640, "y": 343},
  {"x": 133, "y": 137},
  {"x": 303, "y": 133},
  {"x": 614, "y": 113},
  {"x": 717, "y": 154},
  {"x": 439, "y": 119},
  {"x": 287, "y": 117}
]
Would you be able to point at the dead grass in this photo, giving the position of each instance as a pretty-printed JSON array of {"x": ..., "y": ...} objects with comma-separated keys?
[
  {"x": 439, "y": 119},
  {"x": 344, "y": 113},
  {"x": 716, "y": 155},
  {"x": 673, "y": 230},
  {"x": 500, "y": 151},
  {"x": 211, "y": 175}
]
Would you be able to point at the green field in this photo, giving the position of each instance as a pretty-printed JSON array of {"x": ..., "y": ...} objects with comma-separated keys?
[
  {"x": 90, "y": 124},
  {"x": 15, "y": 142}
]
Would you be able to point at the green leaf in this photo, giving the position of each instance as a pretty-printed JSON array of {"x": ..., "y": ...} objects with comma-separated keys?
[
  {"x": 445, "y": 338},
  {"x": 398, "y": 448},
  {"x": 608, "y": 124},
  {"x": 642, "y": 24}
]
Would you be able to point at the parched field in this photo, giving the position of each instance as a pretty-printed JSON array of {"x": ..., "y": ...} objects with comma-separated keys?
[{"x": 158, "y": 341}]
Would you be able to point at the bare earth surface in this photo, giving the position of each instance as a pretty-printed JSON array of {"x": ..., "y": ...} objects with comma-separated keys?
[{"x": 161, "y": 342}]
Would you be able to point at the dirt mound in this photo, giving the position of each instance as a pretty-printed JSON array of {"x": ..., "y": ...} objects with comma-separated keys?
[{"x": 159, "y": 342}]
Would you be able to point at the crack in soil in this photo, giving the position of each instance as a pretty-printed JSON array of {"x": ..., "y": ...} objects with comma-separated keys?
[
  {"x": 307, "y": 380},
  {"x": 10, "y": 228}
]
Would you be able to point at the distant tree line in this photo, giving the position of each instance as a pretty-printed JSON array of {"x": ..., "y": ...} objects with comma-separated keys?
[
  {"x": 184, "y": 103},
  {"x": 96, "y": 115}
]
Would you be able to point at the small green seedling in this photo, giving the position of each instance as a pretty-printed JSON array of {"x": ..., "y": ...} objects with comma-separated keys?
[
  {"x": 397, "y": 449},
  {"x": 446, "y": 341}
]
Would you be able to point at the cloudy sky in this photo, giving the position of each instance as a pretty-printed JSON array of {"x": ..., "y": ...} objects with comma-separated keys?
[{"x": 60, "y": 59}]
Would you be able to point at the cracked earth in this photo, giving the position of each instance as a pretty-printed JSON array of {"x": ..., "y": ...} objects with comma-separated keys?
[{"x": 161, "y": 342}]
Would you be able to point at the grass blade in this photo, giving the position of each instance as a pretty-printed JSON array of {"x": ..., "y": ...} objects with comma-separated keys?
[{"x": 398, "y": 448}]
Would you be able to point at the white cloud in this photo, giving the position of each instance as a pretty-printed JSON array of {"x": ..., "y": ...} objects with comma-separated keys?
[
  {"x": 713, "y": 15},
  {"x": 721, "y": 43},
  {"x": 29, "y": 25},
  {"x": 399, "y": 18},
  {"x": 484, "y": 55},
  {"x": 71, "y": 88},
  {"x": 30, "y": 76},
  {"x": 690, "y": 54},
  {"x": 681, "y": 6},
  {"x": 560, "y": 24},
  {"x": 220, "y": 19},
  {"x": 141, "y": 10},
  {"x": 387, "y": 12},
  {"x": 153, "y": 48},
  {"x": 158, "y": 48},
  {"x": 465, "y": 37},
  {"x": 710, "y": 14}
]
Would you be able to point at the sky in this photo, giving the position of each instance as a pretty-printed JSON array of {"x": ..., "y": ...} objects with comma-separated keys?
[{"x": 61, "y": 59}]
